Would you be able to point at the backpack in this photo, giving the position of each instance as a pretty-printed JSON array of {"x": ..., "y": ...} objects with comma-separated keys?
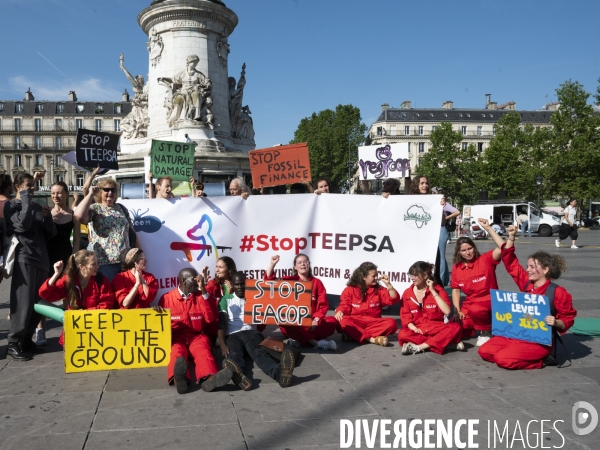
[{"x": 451, "y": 225}]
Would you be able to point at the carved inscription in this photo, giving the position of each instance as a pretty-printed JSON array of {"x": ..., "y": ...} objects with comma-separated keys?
[{"x": 189, "y": 23}]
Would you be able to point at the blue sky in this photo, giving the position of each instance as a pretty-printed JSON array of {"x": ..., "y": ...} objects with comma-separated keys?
[{"x": 303, "y": 56}]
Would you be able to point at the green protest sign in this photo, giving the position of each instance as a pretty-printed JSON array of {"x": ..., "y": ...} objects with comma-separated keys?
[{"x": 173, "y": 159}]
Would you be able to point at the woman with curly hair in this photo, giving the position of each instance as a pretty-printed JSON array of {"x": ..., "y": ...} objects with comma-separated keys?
[
  {"x": 359, "y": 312},
  {"x": 134, "y": 287},
  {"x": 536, "y": 278},
  {"x": 220, "y": 286},
  {"x": 82, "y": 285}
]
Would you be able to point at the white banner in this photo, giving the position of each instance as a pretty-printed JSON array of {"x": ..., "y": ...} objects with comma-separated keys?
[
  {"x": 337, "y": 232},
  {"x": 378, "y": 162}
]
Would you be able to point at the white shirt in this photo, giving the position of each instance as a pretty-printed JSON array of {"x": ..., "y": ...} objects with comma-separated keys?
[
  {"x": 233, "y": 306},
  {"x": 570, "y": 211}
]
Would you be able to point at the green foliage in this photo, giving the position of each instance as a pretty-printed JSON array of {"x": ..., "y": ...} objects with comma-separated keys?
[{"x": 332, "y": 137}]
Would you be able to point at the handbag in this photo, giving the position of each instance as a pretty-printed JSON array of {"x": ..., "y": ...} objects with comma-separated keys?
[
  {"x": 8, "y": 258},
  {"x": 274, "y": 344}
]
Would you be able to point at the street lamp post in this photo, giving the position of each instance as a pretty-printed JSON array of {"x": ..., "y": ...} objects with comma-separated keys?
[{"x": 538, "y": 181}]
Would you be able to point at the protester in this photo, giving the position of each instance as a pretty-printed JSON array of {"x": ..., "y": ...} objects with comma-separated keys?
[
  {"x": 419, "y": 185},
  {"x": 59, "y": 247},
  {"x": 523, "y": 221},
  {"x": 235, "y": 337},
  {"x": 108, "y": 225},
  {"x": 390, "y": 186},
  {"x": 359, "y": 312},
  {"x": 298, "y": 188},
  {"x": 536, "y": 278},
  {"x": 237, "y": 187},
  {"x": 190, "y": 313},
  {"x": 6, "y": 190},
  {"x": 162, "y": 188},
  {"x": 82, "y": 286},
  {"x": 322, "y": 325},
  {"x": 449, "y": 212},
  {"x": 475, "y": 274},
  {"x": 197, "y": 188},
  {"x": 134, "y": 287},
  {"x": 32, "y": 225},
  {"x": 568, "y": 227},
  {"x": 219, "y": 286},
  {"x": 424, "y": 311},
  {"x": 323, "y": 186}
]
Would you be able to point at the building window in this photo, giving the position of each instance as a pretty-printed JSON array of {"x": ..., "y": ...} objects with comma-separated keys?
[
  {"x": 98, "y": 124},
  {"x": 464, "y": 131},
  {"x": 59, "y": 178},
  {"x": 38, "y": 124},
  {"x": 79, "y": 179},
  {"x": 392, "y": 129},
  {"x": 39, "y": 108},
  {"x": 59, "y": 143},
  {"x": 17, "y": 142},
  {"x": 406, "y": 130},
  {"x": 1, "y": 161},
  {"x": 78, "y": 123},
  {"x": 1, "y": 106},
  {"x": 409, "y": 148},
  {"x": 421, "y": 147},
  {"x": 58, "y": 125},
  {"x": 494, "y": 130},
  {"x": 434, "y": 127},
  {"x": 17, "y": 160},
  {"x": 0, "y": 124},
  {"x": 18, "y": 108},
  {"x": 60, "y": 108},
  {"x": 37, "y": 143},
  {"x": 17, "y": 124},
  {"x": 479, "y": 131},
  {"x": 464, "y": 145},
  {"x": 39, "y": 160},
  {"x": 79, "y": 108},
  {"x": 117, "y": 109},
  {"x": 480, "y": 147},
  {"x": 58, "y": 162},
  {"x": 117, "y": 124},
  {"x": 420, "y": 130},
  {"x": 99, "y": 109}
]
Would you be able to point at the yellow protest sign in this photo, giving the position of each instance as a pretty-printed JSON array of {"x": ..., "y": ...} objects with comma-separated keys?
[{"x": 116, "y": 339}]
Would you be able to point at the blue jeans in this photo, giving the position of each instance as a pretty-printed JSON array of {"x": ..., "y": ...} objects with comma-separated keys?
[
  {"x": 525, "y": 225},
  {"x": 444, "y": 273}
]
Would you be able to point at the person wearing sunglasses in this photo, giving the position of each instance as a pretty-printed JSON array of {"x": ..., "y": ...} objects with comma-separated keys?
[{"x": 108, "y": 223}]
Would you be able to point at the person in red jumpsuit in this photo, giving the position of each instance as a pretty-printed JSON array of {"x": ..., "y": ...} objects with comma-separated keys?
[
  {"x": 425, "y": 305},
  {"x": 219, "y": 286},
  {"x": 475, "y": 274},
  {"x": 190, "y": 313},
  {"x": 359, "y": 312},
  {"x": 541, "y": 269},
  {"x": 134, "y": 287},
  {"x": 322, "y": 325},
  {"x": 80, "y": 286}
]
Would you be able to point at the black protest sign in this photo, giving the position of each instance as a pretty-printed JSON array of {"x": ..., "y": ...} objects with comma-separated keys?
[{"x": 95, "y": 148}]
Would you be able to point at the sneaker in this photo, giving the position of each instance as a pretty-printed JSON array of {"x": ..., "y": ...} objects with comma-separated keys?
[
  {"x": 294, "y": 343},
  {"x": 220, "y": 379},
  {"x": 557, "y": 243},
  {"x": 482, "y": 340},
  {"x": 460, "y": 347},
  {"x": 324, "y": 344},
  {"x": 40, "y": 336},
  {"x": 410, "y": 348},
  {"x": 574, "y": 246},
  {"x": 180, "y": 375},
  {"x": 406, "y": 348},
  {"x": 237, "y": 376},
  {"x": 286, "y": 368}
]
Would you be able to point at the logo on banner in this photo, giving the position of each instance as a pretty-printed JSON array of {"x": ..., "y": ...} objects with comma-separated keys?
[
  {"x": 205, "y": 249},
  {"x": 417, "y": 216},
  {"x": 147, "y": 224}
]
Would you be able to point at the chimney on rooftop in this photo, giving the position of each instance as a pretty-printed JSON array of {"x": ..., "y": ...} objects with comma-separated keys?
[
  {"x": 488, "y": 99},
  {"x": 72, "y": 96},
  {"x": 405, "y": 104},
  {"x": 125, "y": 96},
  {"x": 29, "y": 95},
  {"x": 448, "y": 104}
]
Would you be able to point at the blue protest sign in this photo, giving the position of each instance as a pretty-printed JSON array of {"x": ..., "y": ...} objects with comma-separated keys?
[{"x": 521, "y": 316}]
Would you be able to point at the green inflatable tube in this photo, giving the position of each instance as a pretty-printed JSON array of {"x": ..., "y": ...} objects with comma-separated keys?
[{"x": 50, "y": 311}]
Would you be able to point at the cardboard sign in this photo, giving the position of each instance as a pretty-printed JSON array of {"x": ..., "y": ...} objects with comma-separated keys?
[
  {"x": 103, "y": 339},
  {"x": 273, "y": 302},
  {"x": 378, "y": 162},
  {"x": 95, "y": 148},
  {"x": 275, "y": 166},
  {"x": 172, "y": 159},
  {"x": 521, "y": 316}
]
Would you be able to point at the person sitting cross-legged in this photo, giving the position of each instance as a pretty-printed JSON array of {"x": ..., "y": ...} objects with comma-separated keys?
[
  {"x": 191, "y": 312},
  {"x": 235, "y": 336}
]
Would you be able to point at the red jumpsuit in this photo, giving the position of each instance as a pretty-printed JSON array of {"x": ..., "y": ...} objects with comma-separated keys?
[
  {"x": 511, "y": 353},
  {"x": 476, "y": 279},
  {"x": 189, "y": 318},
  {"x": 124, "y": 281},
  {"x": 327, "y": 324},
  {"x": 216, "y": 291},
  {"x": 428, "y": 318},
  {"x": 362, "y": 317},
  {"x": 94, "y": 296}
]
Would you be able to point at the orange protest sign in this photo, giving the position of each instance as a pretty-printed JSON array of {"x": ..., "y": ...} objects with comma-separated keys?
[
  {"x": 273, "y": 302},
  {"x": 275, "y": 166}
]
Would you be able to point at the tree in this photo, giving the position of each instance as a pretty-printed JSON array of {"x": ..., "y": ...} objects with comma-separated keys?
[
  {"x": 333, "y": 138},
  {"x": 572, "y": 169},
  {"x": 449, "y": 166}
]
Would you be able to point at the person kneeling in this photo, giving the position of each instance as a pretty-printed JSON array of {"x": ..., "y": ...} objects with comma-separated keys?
[
  {"x": 359, "y": 313},
  {"x": 235, "y": 336},
  {"x": 424, "y": 305},
  {"x": 191, "y": 313}
]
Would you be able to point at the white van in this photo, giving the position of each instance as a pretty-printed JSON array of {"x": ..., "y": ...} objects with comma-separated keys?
[{"x": 501, "y": 212}]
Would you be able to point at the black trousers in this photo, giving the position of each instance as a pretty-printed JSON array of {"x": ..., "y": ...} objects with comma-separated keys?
[
  {"x": 24, "y": 293},
  {"x": 250, "y": 340}
]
